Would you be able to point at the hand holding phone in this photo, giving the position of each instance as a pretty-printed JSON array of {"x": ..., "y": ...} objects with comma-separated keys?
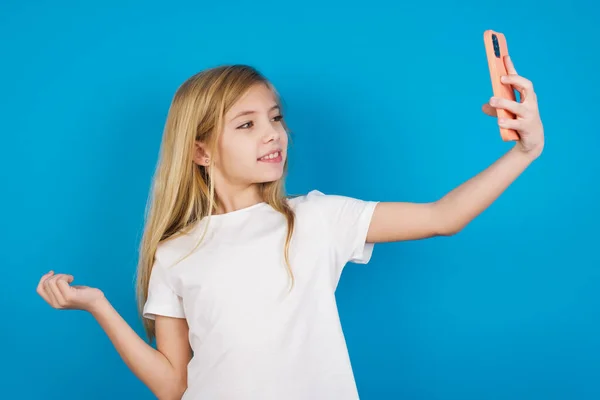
[{"x": 496, "y": 49}]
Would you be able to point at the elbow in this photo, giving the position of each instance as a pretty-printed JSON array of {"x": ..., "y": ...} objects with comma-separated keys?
[
  {"x": 444, "y": 221},
  {"x": 449, "y": 229},
  {"x": 173, "y": 392},
  {"x": 448, "y": 233},
  {"x": 179, "y": 391}
]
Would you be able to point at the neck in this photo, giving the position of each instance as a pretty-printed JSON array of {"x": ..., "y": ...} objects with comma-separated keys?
[{"x": 236, "y": 198}]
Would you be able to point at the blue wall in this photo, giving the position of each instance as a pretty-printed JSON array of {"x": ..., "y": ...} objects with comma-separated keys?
[{"x": 385, "y": 104}]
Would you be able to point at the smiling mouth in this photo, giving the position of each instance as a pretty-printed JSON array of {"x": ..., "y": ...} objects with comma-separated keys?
[{"x": 274, "y": 157}]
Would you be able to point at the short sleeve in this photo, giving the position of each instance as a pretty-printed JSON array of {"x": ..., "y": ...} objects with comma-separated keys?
[
  {"x": 162, "y": 300},
  {"x": 348, "y": 220}
]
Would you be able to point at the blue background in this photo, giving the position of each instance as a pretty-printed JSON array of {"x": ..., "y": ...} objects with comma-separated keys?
[{"x": 384, "y": 101}]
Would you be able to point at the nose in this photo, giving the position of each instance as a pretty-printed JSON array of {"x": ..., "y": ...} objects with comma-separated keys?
[{"x": 272, "y": 134}]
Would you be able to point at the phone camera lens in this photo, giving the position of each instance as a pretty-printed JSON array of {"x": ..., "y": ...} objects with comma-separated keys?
[{"x": 496, "y": 45}]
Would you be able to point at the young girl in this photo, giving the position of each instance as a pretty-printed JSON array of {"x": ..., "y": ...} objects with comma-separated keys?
[{"x": 236, "y": 280}]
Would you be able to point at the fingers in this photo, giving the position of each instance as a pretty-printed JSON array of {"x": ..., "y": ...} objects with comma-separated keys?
[
  {"x": 515, "y": 124},
  {"x": 510, "y": 67},
  {"x": 41, "y": 287},
  {"x": 65, "y": 289},
  {"x": 518, "y": 109},
  {"x": 54, "y": 289},
  {"x": 49, "y": 292},
  {"x": 523, "y": 85}
]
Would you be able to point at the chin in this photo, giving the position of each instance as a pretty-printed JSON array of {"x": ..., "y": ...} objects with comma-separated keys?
[
  {"x": 272, "y": 173},
  {"x": 270, "y": 178}
]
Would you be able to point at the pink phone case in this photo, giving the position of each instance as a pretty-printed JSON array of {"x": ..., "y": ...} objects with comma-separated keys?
[{"x": 496, "y": 49}]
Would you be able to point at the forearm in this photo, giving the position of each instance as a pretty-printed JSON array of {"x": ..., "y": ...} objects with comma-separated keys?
[
  {"x": 147, "y": 363},
  {"x": 463, "y": 204}
]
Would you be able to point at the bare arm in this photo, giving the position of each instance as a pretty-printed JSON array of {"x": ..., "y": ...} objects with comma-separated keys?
[
  {"x": 163, "y": 371},
  {"x": 397, "y": 221}
]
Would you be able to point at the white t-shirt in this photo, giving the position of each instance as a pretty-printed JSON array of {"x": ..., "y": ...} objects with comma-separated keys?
[{"x": 252, "y": 338}]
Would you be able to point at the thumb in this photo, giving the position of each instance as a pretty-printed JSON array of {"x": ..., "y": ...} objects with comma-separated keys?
[
  {"x": 489, "y": 110},
  {"x": 47, "y": 275},
  {"x": 68, "y": 278}
]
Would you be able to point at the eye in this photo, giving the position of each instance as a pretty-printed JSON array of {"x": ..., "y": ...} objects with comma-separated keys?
[
  {"x": 249, "y": 124},
  {"x": 245, "y": 126}
]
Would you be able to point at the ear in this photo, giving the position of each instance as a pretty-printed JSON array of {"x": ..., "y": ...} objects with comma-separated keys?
[{"x": 201, "y": 154}]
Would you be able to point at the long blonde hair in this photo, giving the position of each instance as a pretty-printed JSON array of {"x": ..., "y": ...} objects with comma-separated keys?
[{"x": 182, "y": 192}]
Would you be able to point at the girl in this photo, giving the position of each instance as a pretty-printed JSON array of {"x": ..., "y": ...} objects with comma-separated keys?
[{"x": 236, "y": 280}]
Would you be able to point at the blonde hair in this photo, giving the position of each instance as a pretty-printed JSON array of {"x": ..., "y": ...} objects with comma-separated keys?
[{"x": 182, "y": 192}]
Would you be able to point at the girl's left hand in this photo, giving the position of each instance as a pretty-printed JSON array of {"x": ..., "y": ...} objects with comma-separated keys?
[{"x": 528, "y": 123}]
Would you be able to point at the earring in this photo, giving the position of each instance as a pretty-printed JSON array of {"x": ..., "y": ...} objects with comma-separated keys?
[{"x": 206, "y": 160}]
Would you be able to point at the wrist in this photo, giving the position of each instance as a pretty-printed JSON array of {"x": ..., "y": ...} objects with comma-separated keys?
[
  {"x": 530, "y": 153},
  {"x": 98, "y": 306}
]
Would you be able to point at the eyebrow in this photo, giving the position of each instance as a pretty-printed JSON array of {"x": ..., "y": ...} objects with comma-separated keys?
[{"x": 247, "y": 112}]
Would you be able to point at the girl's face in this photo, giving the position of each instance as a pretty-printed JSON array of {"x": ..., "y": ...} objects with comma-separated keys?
[{"x": 253, "y": 145}]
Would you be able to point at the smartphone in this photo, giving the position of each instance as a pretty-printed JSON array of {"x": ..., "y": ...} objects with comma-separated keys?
[{"x": 496, "y": 49}]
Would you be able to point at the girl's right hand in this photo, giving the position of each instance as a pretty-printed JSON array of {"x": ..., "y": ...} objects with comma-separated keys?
[{"x": 57, "y": 290}]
